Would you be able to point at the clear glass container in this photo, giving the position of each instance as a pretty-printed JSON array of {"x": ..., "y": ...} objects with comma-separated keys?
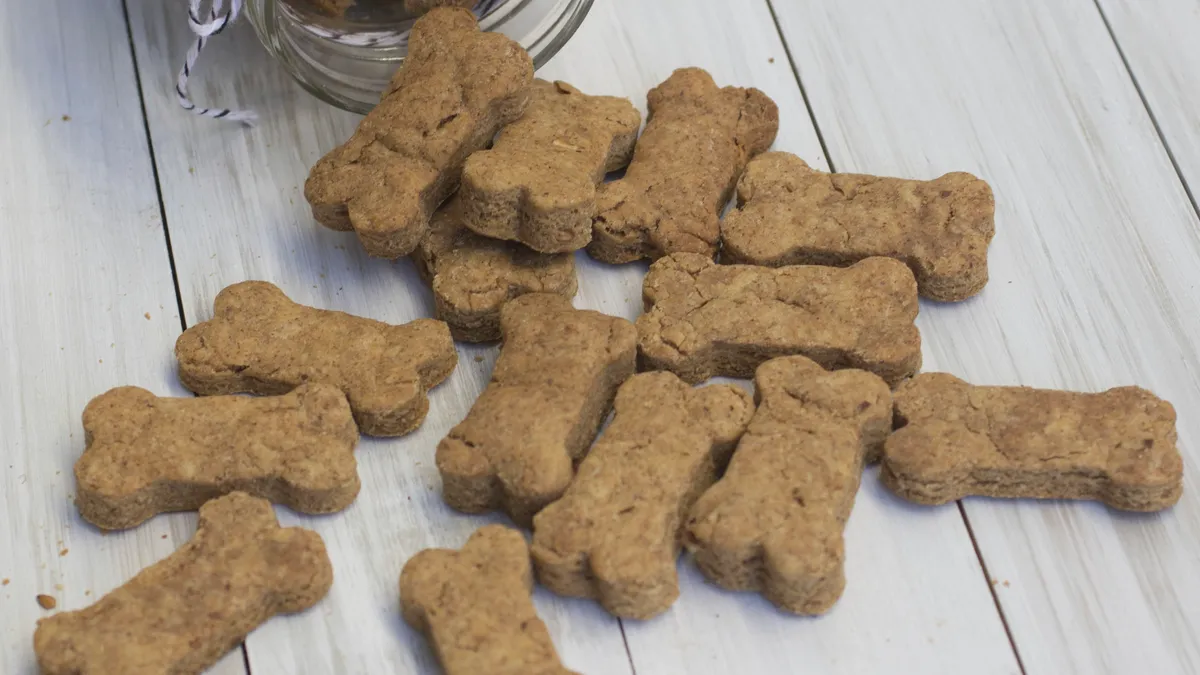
[{"x": 347, "y": 60}]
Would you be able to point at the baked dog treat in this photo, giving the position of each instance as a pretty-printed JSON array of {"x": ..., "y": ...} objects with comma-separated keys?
[
  {"x": 537, "y": 184},
  {"x": 614, "y": 535},
  {"x": 147, "y": 455},
  {"x": 704, "y": 319},
  {"x": 790, "y": 214},
  {"x": 183, "y": 613},
  {"x": 457, "y": 87},
  {"x": 475, "y": 606},
  {"x": 696, "y": 143},
  {"x": 552, "y": 387},
  {"x": 260, "y": 342},
  {"x": 774, "y": 523},
  {"x": 959, "y": 440},
  {"x": 473, "y": 276}
]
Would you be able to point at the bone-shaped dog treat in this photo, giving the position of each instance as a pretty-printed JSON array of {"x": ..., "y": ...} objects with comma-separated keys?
[
  {"x": 474, "y": 605},
  {"x": 457, "y": 87},
  {"x": 552, "y": 387},
  {"x": 615, "y": 534},
  {"x": 704, "y": 319},
  {"x": 774, "y": 522},
  {"x": 260, "y": 342},
  {"x": 473, "y": 276},
  {"x": 147, "y": 455},
  {"x": 958, "y": 440},
  {"x": 182, "y": 614},
  {"x": 696, "y": 143},
  {"x": 537, "y": 185},
  {"x": 791, "y": 214}
]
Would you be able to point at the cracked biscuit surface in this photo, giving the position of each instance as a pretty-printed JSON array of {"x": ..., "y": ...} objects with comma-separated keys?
[
  {"x": 703, "y": 319},
  {"x": 959, "y": 440},
  {"x": 791, "y": 214}
]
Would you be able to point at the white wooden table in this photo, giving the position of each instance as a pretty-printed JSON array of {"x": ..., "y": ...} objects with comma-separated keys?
[{"x": 122, "y": 217}]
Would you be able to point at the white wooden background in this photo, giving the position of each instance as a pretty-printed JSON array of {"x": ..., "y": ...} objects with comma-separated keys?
[{"x": 121, "y": 218}]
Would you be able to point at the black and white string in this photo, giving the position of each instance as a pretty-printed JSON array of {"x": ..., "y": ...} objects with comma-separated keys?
[{"x": 205, "y": 27}]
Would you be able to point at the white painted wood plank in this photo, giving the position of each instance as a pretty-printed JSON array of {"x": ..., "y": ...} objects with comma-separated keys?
[
  {"x": 1161, "y": 42},
  {"x": 235, "y": 211},
  {"x": 86, "y": 302},
  {"x": 1094, "y": 281}
]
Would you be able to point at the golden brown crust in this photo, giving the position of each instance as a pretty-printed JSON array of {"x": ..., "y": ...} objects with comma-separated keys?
[
  {"x": 473, "y": 276},
  {"x": 696, "y": 143},
  {"x": 704, "y": 319},
  {"x": 147, "y": 455},
  {"x": 260, "y": 342},
  {"x": 958, "y": 440},
  {"x": 183, "y": 613},
  {"x": 790, "y": 214},
  {"x": 457, "y": 87},
  {"x": 614, "y": 535},
  {"x": 552, "y": 387},
  {"x": 774, "y": 523},
  {"x": 537, "y": 184},
  {"x": 474, "y": 605}
]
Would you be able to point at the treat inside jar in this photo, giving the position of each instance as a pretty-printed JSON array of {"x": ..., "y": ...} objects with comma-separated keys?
[{"x": 379, "y": 10}]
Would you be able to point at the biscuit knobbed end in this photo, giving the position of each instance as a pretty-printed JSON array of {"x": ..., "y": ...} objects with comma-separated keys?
[
  {"x": 696, "y": 143},
  {"x": 473, "y": 276},
  {"x": 537, "y": 184},
  {"x": 774, "y": 523},
  {"x": 261, "y": 342},
  {"x": 791, "y": 214},
  {"x": 183, "y": 613},
  {"x": 958, "y": 440},
  {"x": 614, "y": 535},
  {"x": 475, "y": 606},
  {"x": 456, "y": 89},
  {"x": 147, "y": 455}
]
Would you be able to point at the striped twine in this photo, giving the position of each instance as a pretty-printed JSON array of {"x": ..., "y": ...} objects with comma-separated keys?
[{"x": 218, "y": 19}]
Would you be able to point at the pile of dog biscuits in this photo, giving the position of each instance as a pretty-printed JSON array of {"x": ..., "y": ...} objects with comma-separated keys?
[{"x": 491, "y": 180}]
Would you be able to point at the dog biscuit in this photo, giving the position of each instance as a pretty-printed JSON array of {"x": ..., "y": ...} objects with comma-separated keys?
[
  {"x": 147, "y": 455},
  {"x": 183, "y": 613},
  {"x": 790, "y": 214},
  {"x": 537, "y": 184},
  {"x": 260, "y": 342},
  {"x": 959, "y": 440},
  {"x": 615, "y": 534},
  {"x": 552, "y": 387},
  {"x": 704, "y": 319},
  {"x": 774, "y": 523},
  {"x": 475, "y": 606},
  {"x": 457, "y": 87},
  {"x": 473, "y": 276},
  {"x": 697, "y": 141}
]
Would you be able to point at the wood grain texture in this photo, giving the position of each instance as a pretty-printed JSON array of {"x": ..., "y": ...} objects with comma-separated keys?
[
  {"x": 86, "y": 303},
  {"x": 917, "y": 597},
  {"x": 1093, "y": 281},
  {"x": 1159, "y": 41}
]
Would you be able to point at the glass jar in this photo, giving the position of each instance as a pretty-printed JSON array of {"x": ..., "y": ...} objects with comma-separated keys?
[{"x": 348, "y": 59}]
